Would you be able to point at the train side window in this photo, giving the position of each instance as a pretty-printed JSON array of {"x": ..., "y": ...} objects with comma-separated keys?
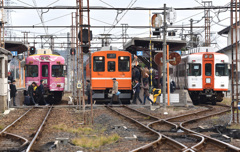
[
  {"x": 208, "y": 69},
  {"x": 111, "y": 66},
  {"x": 123, "y": 63},
  {"x": 31, "y": 71},
  {"x": 44, "y": 70},
  {"x": 194, "y": 70},
  {"x": 222, "y": 69},
  {"x": 98, "y": 64}
]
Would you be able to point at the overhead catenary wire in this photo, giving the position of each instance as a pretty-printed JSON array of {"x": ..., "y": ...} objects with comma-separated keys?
[
  {"x": 106, "y": 3},
  {"x": 40, "y": 16},
  {"x": 53, "y": 3},
  {"x": 129, "y": 6},
  {"x": 25, "y": 3}
]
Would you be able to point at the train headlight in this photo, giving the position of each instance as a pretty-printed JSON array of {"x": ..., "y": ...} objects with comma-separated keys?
[
  {"x": 42, "y": 58},
  {"x": 205, "y": 56},
  {"x": 121, "y": 58},
  {"x": 208, "y": 80},
  {"x": 100, "y": 58},
  {"x": 47, "y": 58},
  {"x": 210, "y": 56}
]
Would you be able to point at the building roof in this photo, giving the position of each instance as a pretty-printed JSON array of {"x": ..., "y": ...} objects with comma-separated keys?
[
  {"x": 138, "y": 43},
  {"x": 226, "y": 30},
  {"x": 4, "y": 51},
  {"x": 15, "y": 46},
  {"x": 227, "y": 48}
]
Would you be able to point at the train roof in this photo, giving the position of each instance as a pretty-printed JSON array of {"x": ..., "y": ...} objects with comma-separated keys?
[
  {"x": 201, "y": 53},
  {"x": 45, "y": 54},
  {"x": 111, "y": 51}
]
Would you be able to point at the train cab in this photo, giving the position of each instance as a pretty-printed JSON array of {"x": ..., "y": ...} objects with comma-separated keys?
[
  {"x": 107, "y": 65},
  {"x": 50, "y": 69},
  {"x": 208, "y": 76}
]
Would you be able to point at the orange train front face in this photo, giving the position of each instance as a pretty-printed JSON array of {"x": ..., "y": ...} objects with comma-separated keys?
[{"x": 107, "y": 65}]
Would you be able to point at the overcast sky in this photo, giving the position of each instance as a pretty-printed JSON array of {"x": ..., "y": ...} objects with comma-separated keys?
[{"x": 107, "y": 17}]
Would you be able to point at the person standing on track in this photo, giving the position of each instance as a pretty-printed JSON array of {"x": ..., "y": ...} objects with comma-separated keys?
[
  {"x": 13, "y": 91},
  {"x": 41, "y": 99},
  {"x": 136, "y": 89},
  {"x": 115, "y": 91}
]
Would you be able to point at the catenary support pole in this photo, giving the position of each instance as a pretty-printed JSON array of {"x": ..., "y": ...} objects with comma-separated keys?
[{"x": 164, "y": 57}]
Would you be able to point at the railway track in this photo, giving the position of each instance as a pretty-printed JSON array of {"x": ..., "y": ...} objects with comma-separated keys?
[
  {"x": 174, "y": 128},
  {"x": 24, "y": 131},
  {"x": 161, "y": 143}
]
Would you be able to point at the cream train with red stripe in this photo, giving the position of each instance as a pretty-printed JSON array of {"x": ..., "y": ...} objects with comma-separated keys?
[{"x": 205, "y": 75}]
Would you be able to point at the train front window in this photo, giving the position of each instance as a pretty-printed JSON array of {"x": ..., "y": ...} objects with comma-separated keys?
[
  {"x": 123, "y": 63},
  {"x": 111, "y": 66},
  {"x": 57, "y": 71},
  {"x": 194, "y": 70},
  {"x": 208, "y": 69},
  {"x": 98, "y": 64},
  {"x": 44, "y": 70},
  {"x": 31, "y": 71},
  {"x": 221, "y": 69}
]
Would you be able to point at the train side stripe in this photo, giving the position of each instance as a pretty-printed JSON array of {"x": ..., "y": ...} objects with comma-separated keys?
[{"x": 111, "y": 78}]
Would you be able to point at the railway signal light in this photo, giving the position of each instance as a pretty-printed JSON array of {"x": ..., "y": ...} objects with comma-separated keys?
[
  {"x": 32, "y": 50},
  {"x": 84, "y": 36},
  {"x": 72, "y": 51},
  {"x": 85, "y": 48}
]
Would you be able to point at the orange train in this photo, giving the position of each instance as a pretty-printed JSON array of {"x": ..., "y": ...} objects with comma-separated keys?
[{"x": 106, "y": 65}]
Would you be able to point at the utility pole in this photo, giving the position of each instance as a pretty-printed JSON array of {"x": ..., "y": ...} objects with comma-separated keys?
[
  {"x": 164, "y": 57},
  {"x": 207, "y": 6},
  {"x": 77, "y": 53},
  {"x": 25, "y": 37},
  {"x": 2, "y": 22},
  {"x": 81, "y": 56},
  {"x": 73, "y": 59},
  {"x": 68, "y": 62},
  {"x": 235, "y": 15},
  {"x": 89, "y": 43},
  {"x": 191, "y": 33}
]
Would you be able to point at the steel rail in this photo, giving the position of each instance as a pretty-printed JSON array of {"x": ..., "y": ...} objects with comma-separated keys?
[
  {"x": 161, "y": 137},
  {"x": 188, "y": 114},
  {"x": 141, "y": 112},
  {"x": 39, "y": 130},
  {"x": 3, "y": 132},
  {"x": 176, "y": 126},
  {"x": 18, "y": 119},
  {"x": 115, "y": 8},
  {"x": 25, "y": 141},
  {"x": 228, "y": 146}
]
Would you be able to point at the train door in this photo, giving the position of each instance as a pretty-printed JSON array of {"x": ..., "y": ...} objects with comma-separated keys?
[
  {"x": 44, "y": 73},
  {"x": 208, "y": 74},
  {"x": 111, "y": 69}
]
